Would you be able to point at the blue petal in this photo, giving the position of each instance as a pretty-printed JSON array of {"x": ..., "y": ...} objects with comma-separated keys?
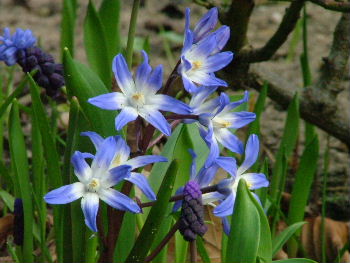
[
  {"x": 143, "y": 71},
  {"x": 140, "y": 161},
  {"x": 251, "y": 153},
  {"x": 65, "y": 194},
  {"x": 228, "y": 164},
  {"x": 109, "y": 101},
  {"x": 201, "y": 95},
  {"x": 225, "y": 185},
  {"x": 188, "y": 41},
  {"x": 122, "y": 74},
  {"x": 222, "y": 35},
  {"x": 212, "y": 197},
  {"x": 206, "y": 175},
  {"x": 206, "y": 24},
  {"x": 193, "y": 169},
  {"x": 126, "y": 115},
  {"x": 118, "y": 200},
  {"x": 226, "y": 225},
  {"x": 122, "y": 152},
  {"x": 218, "y": 61},
  {"x": 188, "y": 84},
  {"x": 204, "y": 47},
  {"x": 167, "y": 103},
  {"x": 89, "y": 205},
  {"x": 81, "y": 169},
  {"x": 96, "y": 139},
  {"x": 225, "y": 208},
  {"x": 116, "y": 175},
  {"x": 235, "y": 104},
  {"x": 105, "y": 154},
  {"x": 255, "y": 180},
  {"x": 157, "y": 120},
  {"x": 239, "y": 119},
  {"x": 202, "y": 77},
  {"x": 187, "y": 18},
  {"x": 229, "y": 140},
  {"x": 155, "y": 80},
  {"x": 142, "y": 183}
]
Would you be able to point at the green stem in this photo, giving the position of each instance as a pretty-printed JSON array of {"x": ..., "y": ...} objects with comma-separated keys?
[{"x": 131, "y": 34}]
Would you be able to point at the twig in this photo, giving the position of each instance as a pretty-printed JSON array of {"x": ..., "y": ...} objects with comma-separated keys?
[
  {"x": 193, "y": 251},
  {"x": 163, "y": 242},
  {"x": 339, "y": 6},
  {"x": 173, "y": 76},
  {"x": 204, "y": 190},
  {"x": 156, "y": 140},
  {"x": 279, "y": 37},
  {"x": 181, "y": 117}
]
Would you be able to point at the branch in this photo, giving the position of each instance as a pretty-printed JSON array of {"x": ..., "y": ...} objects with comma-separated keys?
[
  {"x": 285, "y": 28},
  {"x": 333, "y": 5}
]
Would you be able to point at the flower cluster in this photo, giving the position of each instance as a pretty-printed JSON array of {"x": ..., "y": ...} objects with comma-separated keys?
[
  {"x": 20, "y": 48},
  {"x": 141, "y": 96}
]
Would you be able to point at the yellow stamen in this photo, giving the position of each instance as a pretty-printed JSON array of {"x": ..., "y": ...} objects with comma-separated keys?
[
  {"x": 94, "y": 185},
  {"x": 117, "y": 161},
  {"x": 196, "y": 64}
]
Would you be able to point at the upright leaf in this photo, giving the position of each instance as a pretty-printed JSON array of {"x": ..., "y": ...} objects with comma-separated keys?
[
  {"x": 96, "y": 45},
  {"x": 68, "y": 25}
]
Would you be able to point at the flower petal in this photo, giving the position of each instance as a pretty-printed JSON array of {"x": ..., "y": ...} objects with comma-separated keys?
[
  {"x": 142, "y": 183},
  {"x": 89, "y": 205},
  {"x": 225, "y": 208},
  {"x": 188, "y": 84},
  {"x": 96, "y": 139},
  {"x": 255, "y": 180},
  {"x": 238, "y": 119},
  {"x": 193, "y": 169},
  {"x": 203, "y": 48},
  {"x": 201, "y": 95},
  {"x": 140, "y": 161},
  {"x": 228, "y": 164},
  {"x": 109, "y": 101},
  {"x": 206, "y": 175},
  {"x": 188, "y": 41},
  {"x": 235, "y": 104},
  {"x": 229, "y": 140},
  {"x": 202, "y": 77},
  {"x": 81, "y": 169},
  {"x": 122, "y": 152},
  {"x": 212, "y": 197},
  {"x": 118, "y": 200},
  {"x": 251, "y": 153},
  {"x": 206, "y": 24},
  {"x": 218, "y": 61},
  {"x": 123, "y": 75},
  {"x": 222, "y": 35},
  {"x": 167, "y": 103},
  {"x": 115, "y": 175},
  {"x": 105, "y": 154},
  {"x": 226, "y": 225},
  {"x": 178, "y": 204},
  {"x": 126, "y": 115},
  {"x": 154, "y": 83},
  {"x": 155, "y": 118},
  {"x": 65, "y": 194},
  {"x": 143, "y": 71}
]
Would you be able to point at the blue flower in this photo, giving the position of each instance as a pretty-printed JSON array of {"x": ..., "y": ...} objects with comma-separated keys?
[
  {"x": 139, "y": 98},
  {"x": 201, "y": 56},
  {"x": 9, "y": 45},
  {"x": 228, "y": 187},
  {"x": 205, "y": 176},
  {"x": 108, "y": 168},
  {"x": 206, "y": 24},
  {"x": 216, "y": 120}
]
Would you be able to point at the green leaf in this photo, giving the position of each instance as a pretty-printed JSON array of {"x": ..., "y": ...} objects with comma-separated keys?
[
  {"x": 68, "y": 25},
  {"x": 254, "y": 127},
  {"x": 301, "y": 188},
  {"x": 155, "y": 217},
  {"x": 84, "y": 84},
  {"x": 295, "y": 260},
  {"x": 202, "y": 250},
  {"x": 288, "y": 142},
  {"x": 96, "y": 46},
  {"x": 8, "y": 199},
  {"x": 21, "y": 168},
  {"x": 109, "y": 14},
  {"x": 244, "y": 238},
  {"x": 284, "y": 236}
]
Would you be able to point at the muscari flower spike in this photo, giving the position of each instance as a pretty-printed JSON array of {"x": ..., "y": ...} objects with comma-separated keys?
[
  {"x": 228, "y": 187},
  {"x": 9, "y": 45},
  {"x": 138, "y": 97},
  {"x": 108, "y": 168},
  {"x": 216, "y": 120},
  {"x": 201, "y": 56}
]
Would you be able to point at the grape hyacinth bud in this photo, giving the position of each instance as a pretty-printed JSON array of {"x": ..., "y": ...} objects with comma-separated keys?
[
  {"x": 49, "y": 74},
  {"x": 192, "y": 217}
]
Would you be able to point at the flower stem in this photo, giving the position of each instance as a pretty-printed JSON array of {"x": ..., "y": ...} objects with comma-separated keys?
[
  {"x": 131, "y": 34},
  {"x": 165, "y": 240},
  {"x": 193, "y": 251},
  {"x": 181, "y": 117}
]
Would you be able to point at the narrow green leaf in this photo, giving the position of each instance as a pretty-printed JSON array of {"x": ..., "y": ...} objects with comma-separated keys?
[
  {"x": 202, "y": 250},
  {"x": 244, "y": 238},
  {"x": 96, "y": 46},
  {"x": 21, "y": 169},
  {"x": 109, "y": 14},
  {"x": 8, "y": 199},
  {"x": 301, "y": 188},
  {"x": 289, "y": 139},
  {"x": 254, "y": 127},
  {"x": 68, "y": 25},
  {"x": 284, "y": 236},
  {"x": 155, "y": 217},
  {"x": 84, "y": 84}
]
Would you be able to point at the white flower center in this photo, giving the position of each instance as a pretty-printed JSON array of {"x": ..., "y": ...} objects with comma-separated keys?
[
  {"x": 137, "y": 99},
  {"x": 221, "y": 123},
  {"x": 94, "y": 185}
]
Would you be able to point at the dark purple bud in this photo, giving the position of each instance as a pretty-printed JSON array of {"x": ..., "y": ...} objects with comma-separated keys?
[
  {"x": 57, "y": 80},
  {"x": 43, "y": 81},
  {"x": 18, "y": 226},
  {"x": 48, "y": 68},
  {"x": 32, "y": 61}
]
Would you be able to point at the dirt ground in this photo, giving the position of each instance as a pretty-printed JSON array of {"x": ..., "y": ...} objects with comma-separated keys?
[{"x": 44, "y": 17}]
